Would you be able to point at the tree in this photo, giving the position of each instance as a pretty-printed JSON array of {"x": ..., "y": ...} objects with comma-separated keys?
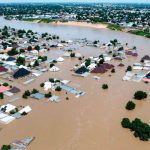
[
  {"x": 20, "y": 61},
  {"x": 130, "y": 105},
  {"x": 5, "y": 84},
  {"x": 37, "y": 47},
  {"x": 26, "y": 94},
  {"x": 6, "y": 147},
  {"x": 48, "y": 95},
  {"x": 104, "y": 86},
  {"x": 139, "y": 95},
  {"x": 36, "y": 63},
  {"x": 126, "y": 123},
  {"x": 1, "y": 96},
  {"x": 34, "y": 91},
  {"x": 58, "y": 88},
  {"x": 29, "y": 48},
  {"x": 139, "y": 128},
  {"x": 12, "y": 52},
  {"x": 42, "y": 85},
  {"x": 129, "y": 68},
  {"x": 51, "y": 65},
  {"x": 113, "y": 70},
  {"x": 72, "y": 55}
]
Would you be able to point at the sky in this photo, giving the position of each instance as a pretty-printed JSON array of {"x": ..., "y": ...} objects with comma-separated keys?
[{"x": 121, "y": 1}]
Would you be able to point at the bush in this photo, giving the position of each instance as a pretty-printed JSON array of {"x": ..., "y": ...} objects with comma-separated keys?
[
  {"x": 5, "y": 147},
  {"x": 129, "y": 68},
  {"x": 130, "y": 105},
  {"x": 34, "y": 91},
  {"x": 58, "y": 88},
  {"x": 26, "y": 94},
  {"x": 48, "y": 95},
  {"x": 1, "y": 95},
  {"x": 42, "y": 85},
  {"x": 139, "y": 95},
  {"x": 51, "y": 65},
  {"x": 113, "y": 71},
  {"x": 72, "y": 55},
  {"x": 104, "y": 86},
  {"x": 126, "y": 123},
  {"x": 5, "y": 84},
  {"x": 51, "y": 80}
]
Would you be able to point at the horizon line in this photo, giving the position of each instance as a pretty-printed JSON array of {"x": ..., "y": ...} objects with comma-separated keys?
[{"x": 75, "y": 2}]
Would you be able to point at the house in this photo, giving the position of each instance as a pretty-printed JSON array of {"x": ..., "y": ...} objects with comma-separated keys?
[
  {"x": 22, "y": 72},
  {"x": 54, "y": 69},
  {"x": 3, "y": 88},
  {"x": 81, "y": 70},
  {"x": 38, "y": 96},
  {"x": 60, "y": 59},
  {"x": 3, "y": 69},
  {"x": 7, "y": 108}
]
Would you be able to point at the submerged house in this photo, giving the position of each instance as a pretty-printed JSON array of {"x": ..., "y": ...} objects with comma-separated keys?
[
  {"x": 147, "y": 78},
  {"x": 22, "y": 72},
  {"x": 81, "y": 70}
]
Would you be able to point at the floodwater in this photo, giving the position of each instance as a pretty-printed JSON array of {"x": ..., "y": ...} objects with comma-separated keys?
[{"x": 91, "y": 122}]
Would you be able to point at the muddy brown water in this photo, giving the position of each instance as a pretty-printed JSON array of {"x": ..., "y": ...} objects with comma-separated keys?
[{"x": 91, "y": 122}]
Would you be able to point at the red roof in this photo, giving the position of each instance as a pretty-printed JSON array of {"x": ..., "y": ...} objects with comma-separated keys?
[
  {"x": 121, "y": 65},
  {"x": 3, "y": 89},
  {"x": 3, "y": 69},
  {"x": 100, "y": 69}
]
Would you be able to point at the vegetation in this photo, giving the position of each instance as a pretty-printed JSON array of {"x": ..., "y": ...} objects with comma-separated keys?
[
  {"x": 26, "y": 94},
  {"x": 20, "y": 61},
  {"x": 104, "y": 86},
  {"x": 58, "y": 88},
  {"x": 72, "y": 55},
  {"x": 48, "y": 95},
  {"x": 115, "y": 27},
  {"x": 113, "y": 70},
  {"x": 5, "y": 84},
  {"x": 42, "y": 85},
  {"x": 34, "y": 91},
  {"x": 12, "y": 52},
  {"x": 139, "y": 95},
  {"x": 130, "y": 105},
  {"x": 139, "y": 128},
  {"x": 129, "y": 68},
  {"x": 1, "y": 96},
  {"x": 6, "y": 147}
]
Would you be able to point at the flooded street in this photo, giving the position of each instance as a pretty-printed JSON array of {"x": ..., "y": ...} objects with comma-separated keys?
[{"x": 93, "y": 121}]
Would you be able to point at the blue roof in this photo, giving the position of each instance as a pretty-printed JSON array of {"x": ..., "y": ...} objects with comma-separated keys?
[
  {"x": 38, "y": 96},
  {"x": 10, "y": 59}
]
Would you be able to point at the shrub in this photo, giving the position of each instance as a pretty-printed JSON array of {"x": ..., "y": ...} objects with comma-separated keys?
[
  {"x": 139, "y": 95},
  {"x": 34, "y": 91},
  {"x": 104, "y": 86},
  {"x": 51, "y": 80},
  {"x": 5, "y": 147},
  {"x": 58, "y": 88},
  {"x": 130, "y": 105},
  {"x": 24, "y": 113},
  {"x": 48, "y": 95},
  {"x": 1, "y": 95},
  {"x": 113, "y": 71},
  {"x": 51, "y": 65},
  {"x": 129, "y": 68},
  {"x": 5, "y": 84},
  {"x": 126, "y": 123},
  {"x": 42, "y": 85},
  {"x": 72, "y": 55},
  {"x": 26, "y": 94}
]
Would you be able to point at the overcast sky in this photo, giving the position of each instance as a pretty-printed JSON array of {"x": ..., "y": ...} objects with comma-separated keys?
[{"x": 129, "y": 1}]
